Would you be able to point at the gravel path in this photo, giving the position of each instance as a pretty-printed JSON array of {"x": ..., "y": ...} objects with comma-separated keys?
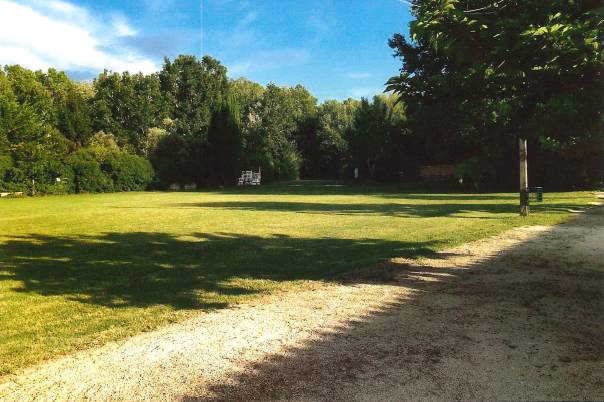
[
  {"x": 517, "y": 316},
  {"x": 166, "y": 364}
]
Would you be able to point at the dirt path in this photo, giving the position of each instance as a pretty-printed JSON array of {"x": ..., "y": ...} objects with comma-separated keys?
[{"x": 517, "y": 316}]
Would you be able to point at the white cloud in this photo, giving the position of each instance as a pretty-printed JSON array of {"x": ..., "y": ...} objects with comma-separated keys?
[
  {"x": 358, "y": 76},
  {"x": 121, "y": 26},
  {"x": 40, "y": 34}
]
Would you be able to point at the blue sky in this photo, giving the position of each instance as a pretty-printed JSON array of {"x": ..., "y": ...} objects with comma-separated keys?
[{"x": 335, "y": 48}]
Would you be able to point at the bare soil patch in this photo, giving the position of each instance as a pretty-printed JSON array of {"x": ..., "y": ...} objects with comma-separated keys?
[{"x": 516, "y": 316}]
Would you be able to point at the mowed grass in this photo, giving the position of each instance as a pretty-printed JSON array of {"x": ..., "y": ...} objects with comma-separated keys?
[{"x": 79, "y": 271}]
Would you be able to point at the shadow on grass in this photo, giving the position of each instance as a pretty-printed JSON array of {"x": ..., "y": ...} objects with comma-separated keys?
[
  {"x": 385, "y": 209},
  {"x": 421, "y": 191},
  {"x": 522, "y": 316},
  {"x": 143, "y": 269}
]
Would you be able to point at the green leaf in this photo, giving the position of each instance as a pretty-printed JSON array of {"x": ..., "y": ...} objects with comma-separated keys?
[
  {"x": 555, "y": 16},
  {"x": 541, "y": 31}
]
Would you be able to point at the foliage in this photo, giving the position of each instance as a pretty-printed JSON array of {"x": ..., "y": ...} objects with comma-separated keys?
[
  {"x": 224, "y": 142},
  {"x": 127, "y": 172},
  {"x": 71, "y": 103},
  {"x": 193, "y": 90},
  {"x": 196, "y": 126},
  {"x": 170, "y": 160},
  {"x": 96, "y": 170},
  {"x": 88, "y": 177},
  {"x": 275, "y": 128},
  {"x": 27, "y": 132},
  {"x": 376, "y": 125},
  {"x": 128, "y": 106},
  {"x": 529, "y": 69},
  {"x": 335, "y": 124},
  {"x": 104, "y": 141},
  {"x": 246, "y": 92}
]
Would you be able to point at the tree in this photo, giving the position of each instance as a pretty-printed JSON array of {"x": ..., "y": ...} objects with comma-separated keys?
[
  {"x": 225, "y": 142},
  {"x": 516, "y": 64},
  {"x": 375, "y": 125},
  {"x": 305, "y": 113},
  {"x": 75, "y": 118},
  {"x": 194, "y": 90},
  {"x": 71, "y": 101},
  {"x": 246, "y": 92},
  {"x": 335, "y": 122},
  {"x": 128, "y": 106},
  {"x": 35, "y": 146},
  {"x": 272, "y": 128}
]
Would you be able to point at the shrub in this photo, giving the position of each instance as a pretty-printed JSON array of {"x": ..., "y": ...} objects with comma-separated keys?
[
  {"x": 169, "y": 160},
  {"x": 14, "y": 180},
  {"x": 58, "y": 188},
  {"x": 88, "y": 177},
  {"x": 128, "y": 172},
  {"x": 5, "y": 164}
]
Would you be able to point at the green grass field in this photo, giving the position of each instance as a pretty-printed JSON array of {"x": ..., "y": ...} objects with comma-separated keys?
[{"x": 78, "y": 271}]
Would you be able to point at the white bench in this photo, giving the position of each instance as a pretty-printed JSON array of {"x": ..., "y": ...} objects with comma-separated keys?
[{"x": 249, "y": 178}]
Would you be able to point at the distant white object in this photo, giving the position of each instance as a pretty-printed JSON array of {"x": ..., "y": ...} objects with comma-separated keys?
[
  {"x": 250, "y": 178},
  {"x": 356, "y": 173},
  {"x": 58, "y": 179}
]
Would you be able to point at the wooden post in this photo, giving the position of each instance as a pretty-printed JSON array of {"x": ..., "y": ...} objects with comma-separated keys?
[{"x": 524, "y": 191}]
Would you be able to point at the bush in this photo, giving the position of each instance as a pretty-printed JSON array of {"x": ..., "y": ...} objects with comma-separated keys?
[
  {"x": 128, "y": 172},
  {"x": 169, "y": 161},
  {"x": 59, "y": 188},
  {"x": 14, "y": 180},
  {"x": 5, "y": 164},
  {"x": 88, "y": 177}
]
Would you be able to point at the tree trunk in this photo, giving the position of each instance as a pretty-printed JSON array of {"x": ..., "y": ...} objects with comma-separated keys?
[{"x": 524, "y": 191}]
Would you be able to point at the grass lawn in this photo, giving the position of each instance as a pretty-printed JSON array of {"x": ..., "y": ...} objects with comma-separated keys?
[{"x": 78, "y": 271}]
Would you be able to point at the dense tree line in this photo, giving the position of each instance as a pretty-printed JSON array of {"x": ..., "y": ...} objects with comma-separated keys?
[
  {"x": 186, "y": 124},
  {"x": 47, "y": 140},
  {"x": 462, "y": 98}
]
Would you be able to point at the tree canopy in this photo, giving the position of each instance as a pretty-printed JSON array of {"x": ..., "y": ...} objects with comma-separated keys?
[
  {"x": 475, "y": 75},
  {"x": 495, "y": 68}
]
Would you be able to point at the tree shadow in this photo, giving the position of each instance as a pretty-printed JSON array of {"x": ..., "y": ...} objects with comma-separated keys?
[
  {"x": 403, "y": 210},
  {"x": 543, "y": 313},
  {"x": 144, "y": 269},
  {"x": 419, "y": 191}
]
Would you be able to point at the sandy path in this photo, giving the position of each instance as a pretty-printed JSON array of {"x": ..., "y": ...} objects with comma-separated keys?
[
  {"x": 166, "y": 364},
  {"x": 517, "y": 316}
]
